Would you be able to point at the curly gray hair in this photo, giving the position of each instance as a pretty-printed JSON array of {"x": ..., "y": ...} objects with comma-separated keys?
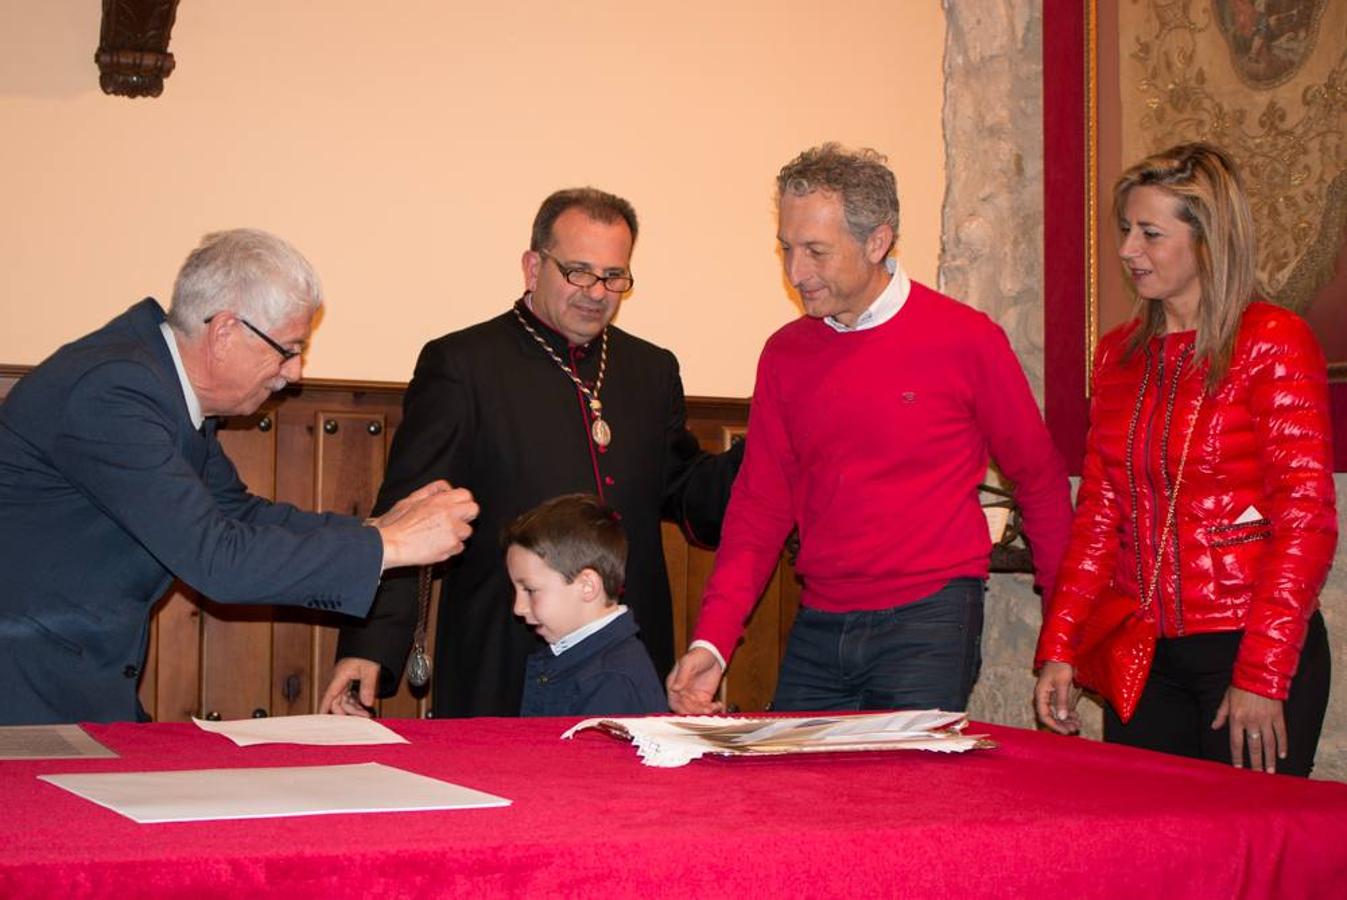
[{"x": 860, "y": 177}]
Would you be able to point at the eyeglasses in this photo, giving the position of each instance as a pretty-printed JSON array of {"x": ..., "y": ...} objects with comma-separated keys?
[
  {"x": 286, "y": 353},
  {"x": 583, "y": 278}
]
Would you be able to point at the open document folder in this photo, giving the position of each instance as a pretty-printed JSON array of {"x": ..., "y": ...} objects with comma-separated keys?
[{"x": 677, "y": 740}]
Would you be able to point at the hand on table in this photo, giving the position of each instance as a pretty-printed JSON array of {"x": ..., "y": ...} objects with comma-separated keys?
[
  {"x": 1055, "y": 699},
  {"x": 693, "y": 683},
  {"x": 339, "y": 700},
  {"x": 1257, "y": 720}
]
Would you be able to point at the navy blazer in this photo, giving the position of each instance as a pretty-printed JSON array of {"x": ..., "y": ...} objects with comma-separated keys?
[
  {"x": 609, "y": 673},
  {"x": 107, "y": 492}
]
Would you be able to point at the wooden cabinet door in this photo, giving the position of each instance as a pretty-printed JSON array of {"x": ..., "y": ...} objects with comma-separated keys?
[
  {"x": 319, "y": 448},
  {"x": 750, "y": 680},
  {"x": 170, "y": 684},
  {"x": 236, "y": 639}
]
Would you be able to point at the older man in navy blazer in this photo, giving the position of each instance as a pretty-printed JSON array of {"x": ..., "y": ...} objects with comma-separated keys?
[{"x": 112, "y": 483}]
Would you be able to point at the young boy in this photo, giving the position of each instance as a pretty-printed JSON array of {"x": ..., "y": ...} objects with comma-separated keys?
[{"x": 567, "y": 560}]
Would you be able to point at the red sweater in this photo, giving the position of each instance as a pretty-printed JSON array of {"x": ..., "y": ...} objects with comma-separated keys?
[{"x": 873, "y": 442}]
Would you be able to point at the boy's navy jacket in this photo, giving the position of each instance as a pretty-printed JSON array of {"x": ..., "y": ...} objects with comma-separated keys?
[{"x": 609, "y": 673}]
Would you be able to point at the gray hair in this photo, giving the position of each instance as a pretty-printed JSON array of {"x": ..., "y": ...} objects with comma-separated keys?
[
  {"x": 860, "y": 177},
  {"x": 249, "y": 272}
]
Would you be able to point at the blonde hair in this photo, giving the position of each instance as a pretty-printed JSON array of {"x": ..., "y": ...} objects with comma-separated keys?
[{"x": 1210, "y": 197}]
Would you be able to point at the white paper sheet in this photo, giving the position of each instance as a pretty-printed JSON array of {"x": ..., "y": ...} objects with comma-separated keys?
[
  {"x": 320, "y": 730},
  {"x": 49, "y": 742},
  {"x": 206, "y": 794}
]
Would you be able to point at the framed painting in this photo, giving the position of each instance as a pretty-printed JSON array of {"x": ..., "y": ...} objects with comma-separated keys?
[{"x": 1263, "y": 79}]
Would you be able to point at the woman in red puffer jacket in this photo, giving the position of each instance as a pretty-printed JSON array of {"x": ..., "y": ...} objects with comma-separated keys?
[{"x": 1206, "y": 504}]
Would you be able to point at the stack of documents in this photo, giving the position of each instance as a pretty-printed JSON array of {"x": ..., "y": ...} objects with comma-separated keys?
[{"x": 677, "y": 740}]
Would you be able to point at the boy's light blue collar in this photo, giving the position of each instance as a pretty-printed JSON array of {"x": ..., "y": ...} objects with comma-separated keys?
[{"x": 584, "y": 631}]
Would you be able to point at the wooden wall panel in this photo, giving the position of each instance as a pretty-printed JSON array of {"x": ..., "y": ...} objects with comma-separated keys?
[
  {"x": 296, "y": 682},
  {"x": 676, "y": 552},
  {"x": 349, "y": 462},
  {"x": 235, "y": 660},
  {"x": 251, "y": 445},
  {"x": 750, "y": 680},
  {"x": 332, "y": 445},
  {"x": 235, "y": 639},
  {"x": 149, "y": 673},
  {"x": 299, "y": 668},
  {"x": 170, "y": 686}
]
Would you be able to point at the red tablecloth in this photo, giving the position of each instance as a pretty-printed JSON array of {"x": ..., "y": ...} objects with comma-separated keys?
[{"x": 1041, "y": 816}]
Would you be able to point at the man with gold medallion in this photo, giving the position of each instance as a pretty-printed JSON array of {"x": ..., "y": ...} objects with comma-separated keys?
[{"x": 545, "y": 399}]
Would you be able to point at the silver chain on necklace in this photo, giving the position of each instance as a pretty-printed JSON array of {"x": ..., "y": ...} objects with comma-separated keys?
[{"x": 598, "y": 429}]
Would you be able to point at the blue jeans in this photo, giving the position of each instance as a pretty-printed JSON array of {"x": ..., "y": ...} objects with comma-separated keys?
[{"x": 921, "y": 655}]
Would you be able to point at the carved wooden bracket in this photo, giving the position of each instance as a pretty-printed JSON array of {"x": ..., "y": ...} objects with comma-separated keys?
[{"x": 133, "y": 58}]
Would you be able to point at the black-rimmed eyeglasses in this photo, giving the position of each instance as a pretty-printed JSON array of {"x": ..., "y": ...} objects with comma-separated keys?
[
  {"x": 286, "y": 353},
  {"x": 583, "y": 278}
]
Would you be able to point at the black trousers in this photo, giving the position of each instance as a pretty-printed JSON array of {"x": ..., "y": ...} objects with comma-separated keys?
[{"x": 1188, "y": 680}]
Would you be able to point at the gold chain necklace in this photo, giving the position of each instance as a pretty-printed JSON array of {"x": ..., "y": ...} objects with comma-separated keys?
[
  {"x": 598, "y": 429},
  {"x": 1148, "y": 596}
]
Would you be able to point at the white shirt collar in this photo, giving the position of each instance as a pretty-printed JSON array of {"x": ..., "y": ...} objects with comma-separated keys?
[
  {"x": 886, "y": 305},
  {"x": 188, "y": 392},
  {"x": 585, "y": 631}
]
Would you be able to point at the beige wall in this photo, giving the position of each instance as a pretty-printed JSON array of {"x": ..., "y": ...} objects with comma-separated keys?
[{"x": 404, "y": 148}]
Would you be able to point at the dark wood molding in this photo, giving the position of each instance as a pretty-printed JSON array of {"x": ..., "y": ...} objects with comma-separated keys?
[{"x": 133, "y": 58}]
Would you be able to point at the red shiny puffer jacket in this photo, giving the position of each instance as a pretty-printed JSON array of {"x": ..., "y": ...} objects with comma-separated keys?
[{"x": 1255, "y": 524}]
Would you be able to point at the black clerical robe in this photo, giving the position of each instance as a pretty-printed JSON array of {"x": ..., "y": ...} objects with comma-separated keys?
[{"x": 489, "y": 410}]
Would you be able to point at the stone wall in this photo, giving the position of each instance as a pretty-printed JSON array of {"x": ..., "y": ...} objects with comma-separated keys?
[
  {"x": 992, "y": 233},
  {"x": 992, "y": 258}
]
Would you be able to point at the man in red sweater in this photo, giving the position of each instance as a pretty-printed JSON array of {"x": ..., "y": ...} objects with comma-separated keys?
[{"x": 873, "y": 419}]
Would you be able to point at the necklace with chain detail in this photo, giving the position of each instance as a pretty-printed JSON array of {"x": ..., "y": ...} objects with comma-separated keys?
[{"x": 598, "y": 429}]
